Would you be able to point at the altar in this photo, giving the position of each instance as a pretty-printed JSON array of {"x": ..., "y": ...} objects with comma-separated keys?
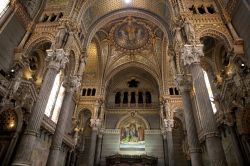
[{"x": 131, "y": 160}]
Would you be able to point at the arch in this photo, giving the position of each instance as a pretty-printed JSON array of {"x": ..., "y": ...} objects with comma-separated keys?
[
  {"x": 37, "y": 40},
  {"x": 124, "y": 13},
  {"x": 19, "y": 115},
  {"x": 221, "y": 36},
  {"x": 84, "y": 108},
  {"x": 132, "y": 64},
  {"x": 135, "y": 116}
]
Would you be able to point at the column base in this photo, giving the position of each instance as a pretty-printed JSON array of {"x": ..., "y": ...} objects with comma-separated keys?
[{"x": 215, "y": 151}]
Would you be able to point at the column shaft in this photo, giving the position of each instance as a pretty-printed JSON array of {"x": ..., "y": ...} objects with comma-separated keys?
[
  {"x": 165, "y": 144},
  {"x": 26, "y": 145},
  {"x": 236, "y": 147},
  {"x": 57, "y": 60},
  {"x": 60, "y": 128},
  {"x": 192, "y": 136},
  {"x": 98, "y": 150},
  {"x": 92, "y": 146},
  {"x": 208, "y": 122},
  {"x": 170, "y": 144}
]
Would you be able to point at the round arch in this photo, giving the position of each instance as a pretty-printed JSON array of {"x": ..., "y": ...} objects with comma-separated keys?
[
  {"x": 132, "y": 64},
  {"x": 38, "y": 40},
  {"x": 221, "y": 36},
  {"x": 135, "y": 116},
  {"x": 124, "y": 13}
]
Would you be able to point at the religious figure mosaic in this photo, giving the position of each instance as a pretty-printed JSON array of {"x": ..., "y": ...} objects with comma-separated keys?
[
  {"x": 131, "y": 36},
  {"x": 132, "y": 135}
]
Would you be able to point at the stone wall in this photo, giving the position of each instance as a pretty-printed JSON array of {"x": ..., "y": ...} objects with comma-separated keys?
[
  {"x": 110, "y": 146},
  {"x": 10, "y": 37},
  {"x": 240, "y": 20},
  {"x": 154, "y": 147}
]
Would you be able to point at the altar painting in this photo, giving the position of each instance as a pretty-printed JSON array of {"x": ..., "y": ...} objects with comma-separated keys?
[{"x": 132, "y": 136}]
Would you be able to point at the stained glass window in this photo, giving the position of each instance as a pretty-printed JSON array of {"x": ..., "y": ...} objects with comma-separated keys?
[{"x": 4, "y": 6}]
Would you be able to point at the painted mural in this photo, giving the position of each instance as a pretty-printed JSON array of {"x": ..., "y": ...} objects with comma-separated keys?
[{"x": 132, "y": 135}]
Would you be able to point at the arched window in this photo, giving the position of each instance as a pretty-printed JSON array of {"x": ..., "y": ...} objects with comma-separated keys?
[
  {"x": 125, "y": 98},
  {"x": 140, "y": 98},
  {"x": 171, "y": 91},
  {"x": 118, "y": 98},
  {"x": 55, "y": 99},
  {"x": 93, "y": 92},
  {"x": 132, "y": 97},
  {"x": 4, "y": 6},
  {"x": 88, "y": 92},
  {"x": 84, "y": 92},
  {"x": 176, "y": 92},
  {"x": 210, "y": 92},
  {"x": 148, "y": 98}
]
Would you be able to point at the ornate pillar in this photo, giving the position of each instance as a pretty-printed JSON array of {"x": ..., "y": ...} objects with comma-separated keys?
[
  {"x": 184, "y": 84},
  {"x": 70, "y": 85},
  {"x": 165, "y": 144},
  {"x": 100, "y": 135},
  {"x": 144, "y": 98},
  {"x": 57, "y": 60},
  {"x": 169, "y": 124},
  {"x": 122, "y": 97},
  {"x": 191, "y": 55},
  {"x": 236, "y": 146},
  {"x": 95, "y": 124},
  {"x": 136, "y": 98},
  {"x": 99, "y": 148}
]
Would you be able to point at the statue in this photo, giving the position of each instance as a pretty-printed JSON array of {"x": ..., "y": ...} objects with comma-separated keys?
[
  {"x": 189, "y": 30},
  {"x": 61, "y": 37},
  {"x": 178, "y": 37}
]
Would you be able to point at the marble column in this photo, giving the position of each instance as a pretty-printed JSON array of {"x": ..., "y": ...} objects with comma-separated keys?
[
  {"x": 95, "y": 124},
  {"x": 99, "y": 148},
  {"x": 169, "y": 124},
  {"x": 70, "y": 85},
  {"x": 184, "y": 84},
  {"x": 236, "y": 146},
  {"x": 57, "y": 59},
  {"x": 191, "y": 55},
  {"x": 165, "y": 144}
]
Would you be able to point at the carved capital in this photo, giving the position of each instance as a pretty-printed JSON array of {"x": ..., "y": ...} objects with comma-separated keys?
[
  {"x": 191, "y": 54},
  {"x": 71, "y": 83},
  {"x": 183, "y": 82},
  {"x": 95, "y": 123},
  {"x": 57, "y": 59},
  {"x": 168, "y": 124}
]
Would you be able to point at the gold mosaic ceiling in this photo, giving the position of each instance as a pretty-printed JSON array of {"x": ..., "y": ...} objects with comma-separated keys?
[
  {"x": 104, "y": 7},
  {"x": 131, "y": 35}
]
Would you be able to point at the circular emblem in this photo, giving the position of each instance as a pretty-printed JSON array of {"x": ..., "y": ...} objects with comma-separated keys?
[{"x": 131, "y": 36}]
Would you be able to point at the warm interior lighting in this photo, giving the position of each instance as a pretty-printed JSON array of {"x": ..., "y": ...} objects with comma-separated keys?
[
  {"x": 127, "y": 1},
  {"x": 11, "y": 124}
]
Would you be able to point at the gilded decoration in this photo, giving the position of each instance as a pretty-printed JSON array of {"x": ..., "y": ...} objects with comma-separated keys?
[{"x": 131, "y": 36}]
